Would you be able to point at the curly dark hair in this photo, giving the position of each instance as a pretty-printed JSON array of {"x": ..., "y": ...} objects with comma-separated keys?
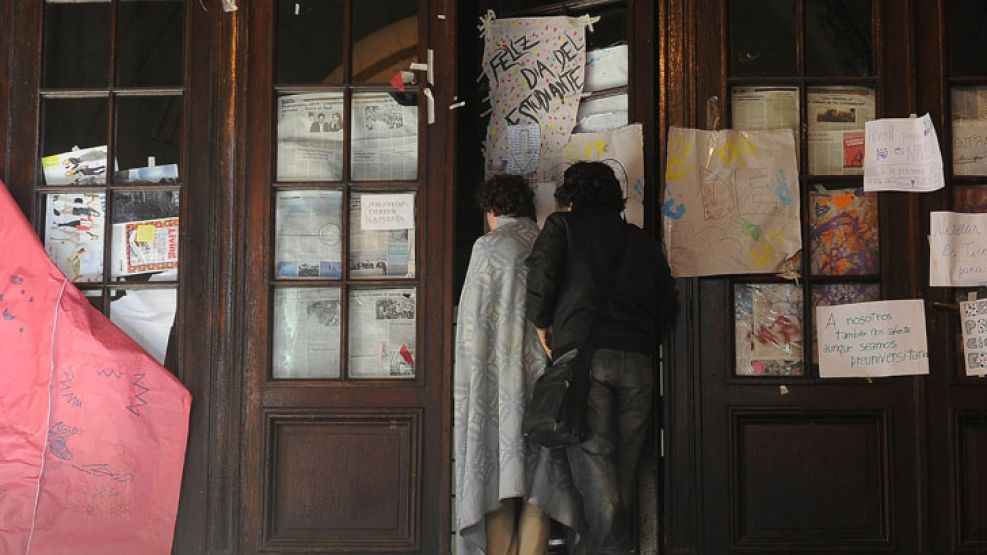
[
  {"x": 590, "y": 184},
  {"x": 506, "y": 195}
]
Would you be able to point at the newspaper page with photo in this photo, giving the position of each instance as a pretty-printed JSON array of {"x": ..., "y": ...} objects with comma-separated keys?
[
  {"x": 969, "y": 106},
  {"x": 836, "y": 118},
  {"x": 382, "y": 340},
  {"x": 306, "y": 332},
  {"x": 758, "y": 108},
  {"x": 385, "y": 139},
  {"x": 310, "y": 137},
  {"x": 308, "y": 237},
  {"x": 379, "y": 253}
]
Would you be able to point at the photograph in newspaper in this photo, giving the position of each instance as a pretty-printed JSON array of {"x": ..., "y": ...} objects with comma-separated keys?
[
  {"x": 145, "y": 232},
  {"x": 308, "y": 240},
  {"x": 969, "y": 130},
  {"x": 836, "y": 118},
  {"x": 167, "y": 173},
  {"x": 85, "y": 166},
  {"x": 384, "y": 137},
  {"x": 379, "y": 253},
  {"x": 310, "y": 137},
  {"x": 382, "y": 333},
  {"x": 306, "y": 332},
  {"x": 74, "y": 227}
]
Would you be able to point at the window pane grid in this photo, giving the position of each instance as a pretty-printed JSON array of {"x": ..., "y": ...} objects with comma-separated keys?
[
  {"x": 819, "y": 286},
  {"x": 91, "y": 199},
  {"x": 349, "y": 187}
]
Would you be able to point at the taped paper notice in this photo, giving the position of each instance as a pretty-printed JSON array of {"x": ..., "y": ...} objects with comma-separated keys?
[
  {"x": 902, "y": 155},
  {"x": 974, "y": 319},
  {"x": 957, "y": 249},
  {"x": 385, "y": 212},
  {"x": 867, "y": 340}
]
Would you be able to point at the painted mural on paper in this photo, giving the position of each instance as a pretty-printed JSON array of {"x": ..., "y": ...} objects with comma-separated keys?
[
  {"x": 534, "y": 68},
  {"x": 622, "y": 149},
  {"x": 843, "y": 232},
  {"x": 833, "y": 294},
  {"x": 731, "y": 202},
  {"x": 768, "y": 329}
]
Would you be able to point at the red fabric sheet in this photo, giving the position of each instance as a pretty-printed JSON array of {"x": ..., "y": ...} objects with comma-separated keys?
[{"x": 92, "y": 429}]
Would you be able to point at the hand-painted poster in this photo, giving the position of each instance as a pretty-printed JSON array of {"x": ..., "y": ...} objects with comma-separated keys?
[
  {"x": 843, "y": 232},
  {"x": 768, "y": 327},
  {"x": 974, "y": 323},
  {"x": 534, "y": 67},
  {"x": 731, "y": 202},
  {"x": 622, "y": 149},
  {"x": 93, "y": 430}
]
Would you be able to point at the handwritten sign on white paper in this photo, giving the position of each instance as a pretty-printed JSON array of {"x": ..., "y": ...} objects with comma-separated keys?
[
  {"x": 974, "y": 320},
  {"x": 957, "y": 249},
  {"x": 882, "y": 338},
  {"x": 902, "y": 154},
  {"x": 391, "y": 211}
]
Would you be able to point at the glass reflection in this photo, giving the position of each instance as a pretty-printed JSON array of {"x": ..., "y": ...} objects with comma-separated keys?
[{"x": 306, "y": 332}]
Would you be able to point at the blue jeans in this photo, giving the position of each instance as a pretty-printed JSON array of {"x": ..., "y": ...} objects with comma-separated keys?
[{"x": 604, "y": 467}]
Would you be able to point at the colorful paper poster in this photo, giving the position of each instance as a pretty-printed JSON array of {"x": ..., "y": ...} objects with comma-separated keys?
[
  {"x": 145, "y": 246},
  {"x": 903, "y": 155},
  {"x": 535, "y": 69},
  {"x": 93, "y": 431},
  {"x": 865, "y": 340},
  {"x": 843, "y": 232},
  {"x": 86, "y": 166},
  {"x": 731, "y": 202},
  {"x": 957, "y": 249},
  {"x": 74, "y": 227},
  {"x": 622, "y": 149},
  {"x": 973, "y": 315},
  {"x": 768, "y": 329},
  {"x": 830, "y": 294}
]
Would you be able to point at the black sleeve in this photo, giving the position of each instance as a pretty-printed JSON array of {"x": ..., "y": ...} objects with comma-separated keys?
[{"x": 545, "y": 267}]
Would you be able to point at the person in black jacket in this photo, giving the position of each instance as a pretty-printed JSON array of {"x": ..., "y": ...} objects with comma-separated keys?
[{"x": 597, "y": 282}]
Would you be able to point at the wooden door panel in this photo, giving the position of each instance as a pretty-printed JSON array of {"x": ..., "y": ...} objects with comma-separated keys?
[
  {"x": 970, "y": 454},
  {"x": 810, "y": 479},
  {"x": 342, "y": 479}
]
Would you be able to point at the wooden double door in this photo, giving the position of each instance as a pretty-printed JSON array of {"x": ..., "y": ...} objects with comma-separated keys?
[{"x": 762, "y": 455}]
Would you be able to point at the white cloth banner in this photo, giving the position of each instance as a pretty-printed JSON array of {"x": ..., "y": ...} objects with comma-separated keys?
[
  {"x": 866, "y": 340},
  {"x": 731, "y": 202},
  {"x": 535, "y": 68}
]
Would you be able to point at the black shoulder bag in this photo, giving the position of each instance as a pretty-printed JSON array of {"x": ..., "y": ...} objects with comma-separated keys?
[{"x": 555, "y": 416}]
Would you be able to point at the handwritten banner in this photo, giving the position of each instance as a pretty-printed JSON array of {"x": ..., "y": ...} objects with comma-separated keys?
[
  {"x": 957, "y": 249},
  {"x": 535, "y": 69},
  {"x": 902, "y": 155},
  {"x": 881, "y": 338},
  {"x": 731, "y": 202},
  {"x": 974, "y": 321}
]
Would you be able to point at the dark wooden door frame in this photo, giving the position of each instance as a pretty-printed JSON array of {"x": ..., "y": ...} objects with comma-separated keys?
[
  {"x": 690, "y": 77},
  {"x": 434, "y": 290}
]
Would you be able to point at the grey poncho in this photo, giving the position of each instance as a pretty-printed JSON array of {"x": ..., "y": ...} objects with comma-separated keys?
[{"x": 498, "y": 358}]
